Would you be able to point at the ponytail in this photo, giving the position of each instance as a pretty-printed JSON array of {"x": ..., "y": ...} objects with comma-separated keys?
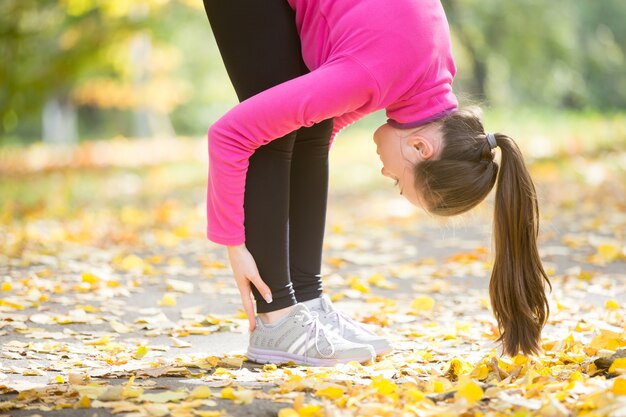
[
  {"x": 460, "y": 179},
  {"x": 517, "y": 286}
]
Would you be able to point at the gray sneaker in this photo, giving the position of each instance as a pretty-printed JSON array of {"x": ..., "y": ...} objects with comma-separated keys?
[
  {"x": 344, "y": 326},
  {"x": 301, "y": 338}
]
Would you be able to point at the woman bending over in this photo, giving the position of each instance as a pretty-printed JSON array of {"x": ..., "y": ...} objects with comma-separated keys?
[{"x": 305, "y": 69}]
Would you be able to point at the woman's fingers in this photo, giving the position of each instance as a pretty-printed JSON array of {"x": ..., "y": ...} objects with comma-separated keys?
[
  {"x": 265, "y": 291},
  {"x": 246, "y": 272},
  {"x": 246, "y": 300}
]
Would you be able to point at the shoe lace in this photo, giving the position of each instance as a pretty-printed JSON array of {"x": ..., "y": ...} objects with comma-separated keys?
[
  {"x": 315, "y": 327},
  {"x": 343, "y": 319}
]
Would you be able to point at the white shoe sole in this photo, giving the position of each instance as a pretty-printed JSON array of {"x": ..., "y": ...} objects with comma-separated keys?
[{"x": 259, "y": 355}]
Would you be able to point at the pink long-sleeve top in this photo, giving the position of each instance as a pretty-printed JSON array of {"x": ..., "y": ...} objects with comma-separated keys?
[{"x": 364, "y": 55}]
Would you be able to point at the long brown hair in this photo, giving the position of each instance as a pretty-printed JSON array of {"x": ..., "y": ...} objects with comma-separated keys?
[{"x": 462, "y": 178}]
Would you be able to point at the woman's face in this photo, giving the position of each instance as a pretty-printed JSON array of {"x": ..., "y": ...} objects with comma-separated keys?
[{"x": 401, "y": 149}]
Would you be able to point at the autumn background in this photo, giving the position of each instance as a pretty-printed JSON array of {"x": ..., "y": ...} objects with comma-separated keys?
[{"x": 113, "y": 301}]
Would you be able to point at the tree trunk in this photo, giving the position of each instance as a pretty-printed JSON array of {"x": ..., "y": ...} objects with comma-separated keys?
[
  {"x": 146, "y": 121},
  {"x": 59, "y": 121}
]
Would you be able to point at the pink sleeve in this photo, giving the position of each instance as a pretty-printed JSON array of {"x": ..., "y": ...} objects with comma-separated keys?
[
  {"x": 345, "y": 120},
  {"x": 332, "y": 90}
]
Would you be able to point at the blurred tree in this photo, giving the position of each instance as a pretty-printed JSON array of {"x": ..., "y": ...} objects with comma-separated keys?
[
  {"x": 146, "y": 67},
  {"x": 601, "y": 37},
  {"x": 559, "y": 53},
  {"x": 62, "y": 53}
]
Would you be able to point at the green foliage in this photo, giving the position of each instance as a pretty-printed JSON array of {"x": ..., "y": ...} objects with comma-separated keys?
[
  {"x": 52, "y": 48},
  {"x": 562, "y": 54},
  {"x": 559, "y": 53}
]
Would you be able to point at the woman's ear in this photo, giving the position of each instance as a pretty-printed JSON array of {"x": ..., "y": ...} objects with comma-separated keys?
[{"x": 424, "y": 147}]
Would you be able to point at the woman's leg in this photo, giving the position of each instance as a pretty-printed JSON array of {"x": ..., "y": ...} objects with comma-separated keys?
[
  {"x": 258, "y": 42},
  {"x": 307, "y": 208},
  {"x": 260, "y": 47}
]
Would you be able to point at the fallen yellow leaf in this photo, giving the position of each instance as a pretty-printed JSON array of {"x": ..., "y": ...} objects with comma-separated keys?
[
  {"x": 458, "y": 367},
  {"x": 201, "y": 392},
  {"x": 157, "y": 409},
  {"x": 164, "y": 397},
  {"x": 90, "y": 278},
  {"x": 608, "y": 339},
  {"x": 471, "y": 392},
  {"x": 180, "y": 343},
  {"x": 618, "y": 365},
  {"x": 141, "y": 352},
  {"x": 240, "y": 396},
  {"x": 129, "y": 391},
  {"x": 131, "y": 262},
  {"x": 337, "y": 296},
  {"x": 414, "y": 395},
  {"x": 619, "y": 386},
  {"x": 311, "y": 411},
  {"x": 11, "y": 304},
  {"x": 423, "y": 303},
  {"x": 383, "y": 385},
  {"x": 168, "y": 300},
  {"x": 609, "y": 252},
  {"x": 356, "y": 284},
  {"x": 222, "y": 371},
  {"x": 576, "y": 376},
  {"x": 329, "y": 392},
  {"x": 378, "y": 280},
  {"x": 480, "y": 372},
  {"x": 288, "y": 412},
  {"x": 84, "y": 402},
  {"x": 269, "y": 367},
  {"x": 228, "y": 393},
  {"x": 208, "y": 413},
  {"x": 99, "y": 342}
]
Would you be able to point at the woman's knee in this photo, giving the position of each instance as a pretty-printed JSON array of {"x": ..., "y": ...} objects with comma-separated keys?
[
  {"x": 317, "y": 134},
  {"x": 282, "y": 146}
]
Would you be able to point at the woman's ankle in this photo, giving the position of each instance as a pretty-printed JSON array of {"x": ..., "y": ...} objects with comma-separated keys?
[{"x": 272, "y": 317}]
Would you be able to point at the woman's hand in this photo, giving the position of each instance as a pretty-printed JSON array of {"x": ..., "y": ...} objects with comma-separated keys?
[{"x": 245, "y": 271}]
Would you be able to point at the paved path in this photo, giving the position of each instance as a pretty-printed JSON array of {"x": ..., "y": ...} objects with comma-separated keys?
[{"x": 82, "y": 296}]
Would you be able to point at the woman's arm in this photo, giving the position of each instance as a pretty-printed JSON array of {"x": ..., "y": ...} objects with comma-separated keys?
[
  {"x": 337, "y": 88},
  {"x": 346, "y": 120}
]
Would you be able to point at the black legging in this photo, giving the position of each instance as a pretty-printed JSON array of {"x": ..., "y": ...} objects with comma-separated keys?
[{"x": 287, "y": 180}]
